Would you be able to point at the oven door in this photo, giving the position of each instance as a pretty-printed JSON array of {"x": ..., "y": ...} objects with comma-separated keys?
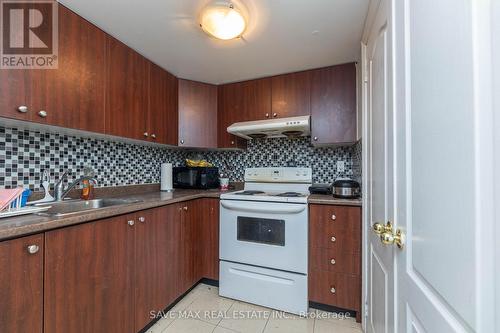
[{"x": 266, "y": 234}]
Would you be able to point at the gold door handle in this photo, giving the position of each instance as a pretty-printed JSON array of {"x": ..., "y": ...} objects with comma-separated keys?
[
  {"x": 396, "y": 238},
  {"x": 388, "y": 236},
  {"x": 378, "y": 228}
]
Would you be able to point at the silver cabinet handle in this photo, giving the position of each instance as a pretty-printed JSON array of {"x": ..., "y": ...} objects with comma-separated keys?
[
  {"x": 332, "y": 261},
  {"x": 334, "y": 217},
  {"x": 332, "y": 290},
  {"x": 130, "y": 222},
  {"x": 315, "y": 138},
  {"x": 142, "y": 219},
  {"x": 146, "y": 134},
  {"x": 42, "y": 113},
  {"x": 22, "y": 109},
  {"x": 182, "y": 141},
  {"x": 185, "y": 208},
  {"x": 333, "y": 239},
  {"x": 232, "y": 142},
  {"x": 275, "y": 115},
  {"x": 267, "y": 115},
  {"x": 153, "y": 136},
  {"x": 32, "y": 249}
]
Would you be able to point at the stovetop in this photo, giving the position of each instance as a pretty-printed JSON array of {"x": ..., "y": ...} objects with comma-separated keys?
[
  {"x": 274, "y": 185},
  {"x": 254, "y": 195}
]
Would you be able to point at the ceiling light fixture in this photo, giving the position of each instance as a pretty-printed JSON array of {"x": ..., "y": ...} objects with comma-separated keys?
[{"x": 222, "y": 21}]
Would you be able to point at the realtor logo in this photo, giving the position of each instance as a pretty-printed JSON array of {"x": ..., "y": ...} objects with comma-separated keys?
[{"x": 29, "y": 37}]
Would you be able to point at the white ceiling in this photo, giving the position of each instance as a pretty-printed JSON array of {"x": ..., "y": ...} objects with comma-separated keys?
[{"x": 282, "y": 36}]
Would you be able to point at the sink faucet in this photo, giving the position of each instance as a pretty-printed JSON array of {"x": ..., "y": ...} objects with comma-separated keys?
[{"x": 60, "y": 192}]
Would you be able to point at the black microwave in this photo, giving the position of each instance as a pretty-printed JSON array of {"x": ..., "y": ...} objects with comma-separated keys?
[{"x": 196, "y": 177}]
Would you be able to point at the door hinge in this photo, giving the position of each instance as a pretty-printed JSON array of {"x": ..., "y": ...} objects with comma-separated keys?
[{"x": 366, "y": 309}]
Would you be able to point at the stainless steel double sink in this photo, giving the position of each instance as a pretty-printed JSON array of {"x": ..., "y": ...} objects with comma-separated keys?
[{"x": 69, "y": 207}]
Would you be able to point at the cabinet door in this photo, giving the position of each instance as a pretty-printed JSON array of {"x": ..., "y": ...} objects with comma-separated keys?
[
  {"x": 156, "y": 261},
  {"x": 163, "y": 113},
  {"x": 127, "y": 91},
  {"x": 333, "y": 105},
  {"x": 88, "y": 280},
  {"x": 242, "y": 101},
  {"x": 197, "y": 114},
  {"x": 15, "y": 94},
  {"x": 73, "y": 95},
  {"x": 291, "y": 95},
  {"x": 187, "y": 239},
  {"x": 229, "y": 111},
  {"x": 15, "y": 91},
  {"x": 21, "y": 285},
  {"x": 207, "y": 239}
]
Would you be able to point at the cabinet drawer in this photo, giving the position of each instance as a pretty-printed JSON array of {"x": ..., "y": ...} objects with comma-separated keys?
[
  {"x": 336, "y": 289},
  {"x": 335, "y": 261},
  {"x": 339, "y": 242},
  {"x": 335, "y": 218},
  {"x": 335, "y": 227}
]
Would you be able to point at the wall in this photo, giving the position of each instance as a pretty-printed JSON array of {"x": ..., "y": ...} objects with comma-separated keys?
[{"x": 25, "y": 153}]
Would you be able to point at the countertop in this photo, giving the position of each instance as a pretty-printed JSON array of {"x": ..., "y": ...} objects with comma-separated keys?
[
  {"x": 328, "y": 199},
  {"x": 29, "y": 224}
]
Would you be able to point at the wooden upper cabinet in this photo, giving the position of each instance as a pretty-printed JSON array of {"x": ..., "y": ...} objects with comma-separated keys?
[
  {"x": 73, "y": 95},
  {"x": 242, "y": 101},
  {"x": 163, "y": 114},
  {"x": 15, "y": 94},
  {"x": 127, "y": 91},
  {"x": 197, "y": 114},
  {"x": 291, "y": 95},
  {"x": 21, "y": 285},
  {"x": 333, "y": 105},
  {"x": 89, "y": 277}
]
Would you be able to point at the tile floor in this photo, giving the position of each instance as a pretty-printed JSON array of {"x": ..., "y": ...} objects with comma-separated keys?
[{"x": 203, "y": 310}]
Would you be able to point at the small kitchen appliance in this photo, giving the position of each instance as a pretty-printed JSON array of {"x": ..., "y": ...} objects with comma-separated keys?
[
  {"x": 196, "y": 177},
  {"x": 263, "y": 239},
  {"x": 346, "y": 189}
]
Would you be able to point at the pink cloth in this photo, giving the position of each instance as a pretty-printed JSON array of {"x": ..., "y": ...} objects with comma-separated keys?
[{"x": 7, "y": 196}]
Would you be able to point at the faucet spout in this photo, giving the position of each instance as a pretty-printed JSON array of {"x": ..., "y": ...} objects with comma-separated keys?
[{"x": 60, "y": 192}]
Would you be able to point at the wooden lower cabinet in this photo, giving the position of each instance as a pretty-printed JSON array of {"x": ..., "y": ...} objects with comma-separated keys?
[
  {"x": 187, "y": 245},
  {"x": 88, "y": 284},
  {"x": 335, "y": 256},
  {"x": 207, "y": 239},
  {"x": 108, "y": 275},
  {"x": 156, "y": 260},
  {"x": 21, "y": 285}
]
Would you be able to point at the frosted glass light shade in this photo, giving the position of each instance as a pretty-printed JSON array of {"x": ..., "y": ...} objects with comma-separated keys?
[{"x": 223, "y": 22}]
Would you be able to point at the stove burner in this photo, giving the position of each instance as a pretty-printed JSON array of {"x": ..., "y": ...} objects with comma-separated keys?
[
  {"x": 289, "y": 194},
  {"x": 249, "y": 192}
]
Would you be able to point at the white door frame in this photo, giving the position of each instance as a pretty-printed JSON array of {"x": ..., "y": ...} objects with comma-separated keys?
[
  {"x": 366, "y": 225},
  {"x": 495, "y": 32}
]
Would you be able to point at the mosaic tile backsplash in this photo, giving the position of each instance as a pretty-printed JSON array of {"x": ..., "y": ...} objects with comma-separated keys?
[{"x": 24, "y": 154}]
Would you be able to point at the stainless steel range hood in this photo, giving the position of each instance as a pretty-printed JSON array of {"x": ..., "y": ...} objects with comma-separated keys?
[{"x": 272, "y": 128}]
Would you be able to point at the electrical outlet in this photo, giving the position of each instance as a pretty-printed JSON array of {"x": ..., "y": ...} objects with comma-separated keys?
[{"x": 340, "y": 166}]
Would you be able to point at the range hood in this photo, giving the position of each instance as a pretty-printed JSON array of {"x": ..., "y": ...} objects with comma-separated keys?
[{"x": 272, "y": 128}]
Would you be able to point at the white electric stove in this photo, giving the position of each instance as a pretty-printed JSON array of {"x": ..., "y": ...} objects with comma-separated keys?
[{"x": 264, "y": 239}]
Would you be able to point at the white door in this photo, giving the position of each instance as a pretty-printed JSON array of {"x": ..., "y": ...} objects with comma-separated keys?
[
  {"x": 444, "y": 166},
  {"x": 379, "y": 179}
]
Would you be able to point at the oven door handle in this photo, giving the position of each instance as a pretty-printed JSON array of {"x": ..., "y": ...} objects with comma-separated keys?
[{"x": 278, "y": 210}]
